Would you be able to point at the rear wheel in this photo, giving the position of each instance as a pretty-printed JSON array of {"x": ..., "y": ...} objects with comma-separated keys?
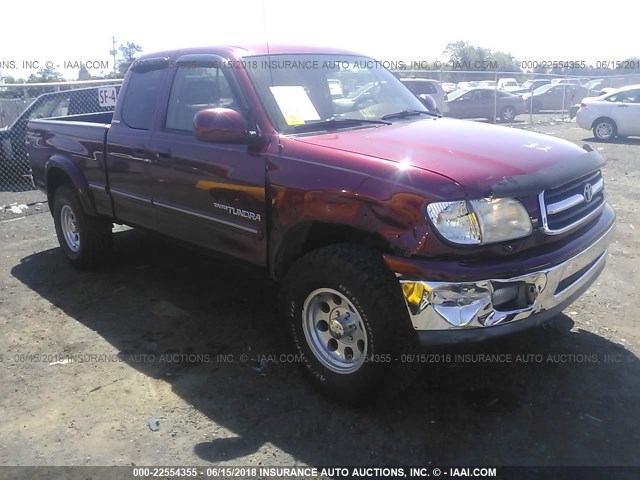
[
  {"x": 348, "y": 321},
  {"x": 604, "y": 129},
  {"x": 507, "y": 114},
  {"x": 85, "y": 240}
]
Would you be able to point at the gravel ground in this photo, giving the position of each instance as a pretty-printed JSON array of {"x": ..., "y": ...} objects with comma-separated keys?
[{"x": 163, "y": 333}]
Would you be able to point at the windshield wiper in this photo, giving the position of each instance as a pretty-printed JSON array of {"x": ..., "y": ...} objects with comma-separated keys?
[
  {"x": 408, "y": 113},
  {"x": 337, "y": 123}
]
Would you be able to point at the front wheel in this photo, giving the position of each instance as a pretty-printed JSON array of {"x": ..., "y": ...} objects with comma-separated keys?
[
  {"x": 508, "y": 114},
  {"x": 346, "y": 316},
  {"x": 85, "y": 240},
  {"x": 604, "y": 129}
]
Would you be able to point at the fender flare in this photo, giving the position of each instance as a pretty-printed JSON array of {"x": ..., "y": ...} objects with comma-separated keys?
[{"x": 73, "y": 172}]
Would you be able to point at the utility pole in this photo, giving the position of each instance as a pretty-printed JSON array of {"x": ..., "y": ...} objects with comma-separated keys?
[{"x": 113, "y": 53}]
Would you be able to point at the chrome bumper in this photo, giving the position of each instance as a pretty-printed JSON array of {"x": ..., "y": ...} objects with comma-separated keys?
[{"x": 491, "y": 302}]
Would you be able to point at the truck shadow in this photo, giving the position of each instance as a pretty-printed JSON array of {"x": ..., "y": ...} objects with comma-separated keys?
[
  {"x": 615, "y": 141},
  {"x": 554, "y": 395}
]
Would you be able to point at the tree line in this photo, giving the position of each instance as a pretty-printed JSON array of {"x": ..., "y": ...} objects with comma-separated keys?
[
  {"x": 127, "y": 53},
  {"x": 462, "y": 53},
  {"x": 456, "y": 55}
]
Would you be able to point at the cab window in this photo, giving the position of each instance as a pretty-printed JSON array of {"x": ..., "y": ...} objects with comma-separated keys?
[
  {"x": 141, "y": 98},
  {"x": 195, "y": 89}
]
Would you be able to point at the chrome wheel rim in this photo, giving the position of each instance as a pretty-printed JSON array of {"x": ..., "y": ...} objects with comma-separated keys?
[
  {"x": 70, "y": 228},
  {"x": 334, "y": 331},
  {"x": 604, "y": 130},
  {"x": 508, "y": 114}
]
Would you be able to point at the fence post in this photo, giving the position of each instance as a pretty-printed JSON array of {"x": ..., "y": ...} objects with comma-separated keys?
[{"x": 495, "y": 96}]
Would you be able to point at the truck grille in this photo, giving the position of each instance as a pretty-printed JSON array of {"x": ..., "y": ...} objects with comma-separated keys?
[{"x": 572, "y": 204}]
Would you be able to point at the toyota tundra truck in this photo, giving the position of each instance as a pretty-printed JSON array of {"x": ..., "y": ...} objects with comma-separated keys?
[{"x": 388, "y": 228}]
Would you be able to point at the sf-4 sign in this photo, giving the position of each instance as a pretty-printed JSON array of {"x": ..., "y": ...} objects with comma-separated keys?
[{"x": 107, "y": 96}]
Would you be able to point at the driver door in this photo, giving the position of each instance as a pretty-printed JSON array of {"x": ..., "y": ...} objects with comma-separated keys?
[
  {"x": 208, "y": 194},
  {"x": 626, "y": 113},
  {"x": 463, "y": 106}
]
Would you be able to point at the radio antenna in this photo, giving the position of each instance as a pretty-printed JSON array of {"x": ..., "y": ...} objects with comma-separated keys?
[{"x": 266, "y": 38}]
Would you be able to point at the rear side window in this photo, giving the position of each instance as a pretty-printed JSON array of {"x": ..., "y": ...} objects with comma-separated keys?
[
  {"x": 629, "y": 96},
  {"x": 140, "y": 99},
  {"x": 633, "y": 96},
  {"x": 484, "y": 95}
]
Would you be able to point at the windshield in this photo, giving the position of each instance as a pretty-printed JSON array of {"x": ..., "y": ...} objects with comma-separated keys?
[
  {"x": 303, "y": 90},
  {"x": 359, "y": 92},
  {"x": 457, "y": 93}
]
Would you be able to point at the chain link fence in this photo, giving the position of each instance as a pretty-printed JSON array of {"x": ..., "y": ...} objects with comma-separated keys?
[
  {"x": 24, "y": 102},
  {"x": 495, "y": 96},
  {"x": 502, "y": 96}
]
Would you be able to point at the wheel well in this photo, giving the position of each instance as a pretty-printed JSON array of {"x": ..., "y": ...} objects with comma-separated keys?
[
  {"x": 311, "y": 236},
  {"x": 55, "y": 179},
  {"x": 505, "y": 107},
  {"x": 595, "y": 122}
]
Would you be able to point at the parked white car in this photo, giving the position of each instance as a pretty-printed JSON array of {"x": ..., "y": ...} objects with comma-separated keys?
[
  {"x": 614, "y": 114},
  {"x": 449, "y": 87},
  {"x": 508, "y": 84}
]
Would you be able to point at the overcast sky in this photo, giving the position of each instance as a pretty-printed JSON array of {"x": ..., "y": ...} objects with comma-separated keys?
[{"x": 67, "y": 30}]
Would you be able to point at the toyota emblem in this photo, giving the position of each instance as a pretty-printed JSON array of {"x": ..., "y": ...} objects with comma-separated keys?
[{"x": 588, "y": 192}]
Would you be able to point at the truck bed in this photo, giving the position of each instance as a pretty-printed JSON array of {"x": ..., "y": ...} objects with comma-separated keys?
[
  {"x": 97, "y": 117},
  {"x": 79, "y": 140}
]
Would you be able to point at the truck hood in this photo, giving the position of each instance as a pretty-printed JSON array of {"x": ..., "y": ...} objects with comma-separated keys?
[{"x": 484, "y": 159}]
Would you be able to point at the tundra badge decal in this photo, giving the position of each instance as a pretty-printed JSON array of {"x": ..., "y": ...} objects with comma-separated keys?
[
  {"x": 237, "y": 211},
  {"x": 537, "y": 146}
]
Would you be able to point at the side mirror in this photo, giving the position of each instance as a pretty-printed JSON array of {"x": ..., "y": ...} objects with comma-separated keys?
[
  {"x": 429, "y": 103},
  {"x": 221, "y": 125}
]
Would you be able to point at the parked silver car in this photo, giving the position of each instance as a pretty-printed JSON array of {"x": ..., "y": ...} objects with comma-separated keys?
[{"x": 554, "y": 96}]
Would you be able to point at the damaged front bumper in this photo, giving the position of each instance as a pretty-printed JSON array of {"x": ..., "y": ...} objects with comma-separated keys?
[{"x": 446, "y": 312}]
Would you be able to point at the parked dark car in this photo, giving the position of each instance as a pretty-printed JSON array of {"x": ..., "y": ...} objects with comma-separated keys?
[
  {"x": 480, "y": 103},
  {"x": 386, "y": 226},
  {"x": 13, "y": 151},
  {"x": 530, "y": 86},
  {"x": 554, "y": 97}
]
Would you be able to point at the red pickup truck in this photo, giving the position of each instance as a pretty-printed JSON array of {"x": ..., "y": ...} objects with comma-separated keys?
[{"x": 388, "y": 227}]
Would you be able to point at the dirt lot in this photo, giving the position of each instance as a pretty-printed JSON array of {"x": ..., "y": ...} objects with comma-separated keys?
[{"x": 139, "y": 332}]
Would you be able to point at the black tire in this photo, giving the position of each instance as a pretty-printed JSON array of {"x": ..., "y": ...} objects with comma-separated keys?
[
  {"x": 93, "y": 234},
  {"x": 361, "y": 276},
  {"x": 508, "y": 114},
  {"x": 605, "y": 129}
]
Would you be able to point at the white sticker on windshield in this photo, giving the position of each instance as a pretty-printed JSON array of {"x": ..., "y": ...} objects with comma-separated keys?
[{"x": 295, "y": 104}]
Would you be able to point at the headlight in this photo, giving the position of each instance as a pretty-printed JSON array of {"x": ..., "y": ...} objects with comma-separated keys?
[{"x": 481, "y": 221}]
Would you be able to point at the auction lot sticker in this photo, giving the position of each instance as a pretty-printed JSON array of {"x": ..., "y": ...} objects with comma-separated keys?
[{"x": 107, "y": 96}]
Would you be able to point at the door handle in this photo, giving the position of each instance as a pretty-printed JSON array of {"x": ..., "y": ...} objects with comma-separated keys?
[
  {"x": 138, "y": 149},
  {"x": 622, "y": 106},
  {"x": 163, "y": 154}
]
